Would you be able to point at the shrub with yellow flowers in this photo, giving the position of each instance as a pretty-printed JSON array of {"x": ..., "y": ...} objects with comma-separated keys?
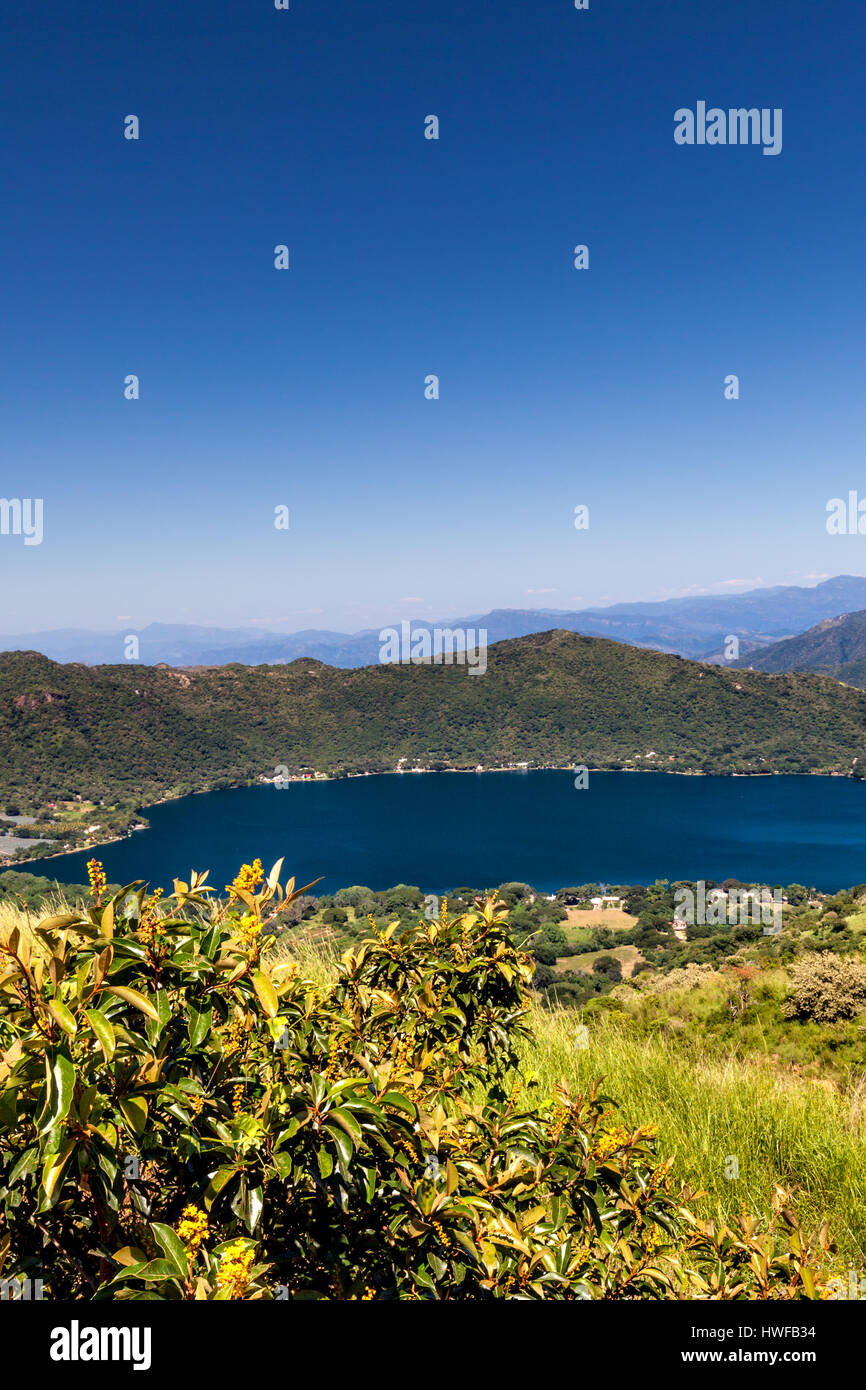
[{"x": 183, "y": 1118}]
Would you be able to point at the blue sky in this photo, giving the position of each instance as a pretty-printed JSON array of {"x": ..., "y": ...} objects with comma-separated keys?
[{"x": 410, "y": 257}]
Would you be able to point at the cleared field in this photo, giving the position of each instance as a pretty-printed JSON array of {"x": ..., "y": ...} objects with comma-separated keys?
[
  {"x": 610, "y": 917},
  {"x": 628, "y": 956}
]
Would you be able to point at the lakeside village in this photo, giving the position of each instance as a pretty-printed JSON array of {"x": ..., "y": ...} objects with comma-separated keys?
[{"x": 639, "y": 763}]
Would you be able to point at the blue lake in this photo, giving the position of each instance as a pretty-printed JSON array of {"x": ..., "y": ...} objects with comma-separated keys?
[{"x": 443, "y": 830}]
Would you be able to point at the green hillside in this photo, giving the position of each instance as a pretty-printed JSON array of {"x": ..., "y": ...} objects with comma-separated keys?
[
  {"x": 137, "y": 733},
  {"x": 836, "y": 647}
]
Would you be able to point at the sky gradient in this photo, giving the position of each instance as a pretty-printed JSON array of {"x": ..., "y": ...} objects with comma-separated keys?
[{"x": 410, "y": 257}]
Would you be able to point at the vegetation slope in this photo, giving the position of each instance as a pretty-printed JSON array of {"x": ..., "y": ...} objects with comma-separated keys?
[
  {"x": 551, "y": 699},
  {"x": 836, "y": 647}
]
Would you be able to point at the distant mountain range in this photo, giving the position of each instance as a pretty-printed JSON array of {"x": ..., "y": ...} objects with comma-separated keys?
[
  {"x": 694, "y": 627},
  {"x": 835, "y": 647},
  {"x": 550, "y": 699}
]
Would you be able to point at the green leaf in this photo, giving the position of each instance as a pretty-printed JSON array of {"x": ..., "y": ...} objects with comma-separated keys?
[
  {"x": 106, "y": 921},
  {"x": 218, "y": 1180},
  {"x": 52, "y": 1172},
  {"x": 346, "y": 1120},
  {"x": 163, "y": 1009},
  {"x": 172, "y": 1247},
  {"x": 156, "y": 1269},
  {"x": 210, "y": 942},
  {"x": 103, "y": 1031},
  {"x": 60, "y": 922},
  {"x": 132, "y": 996},
  {"x": 61, "y": 1014},
  {"x": 60, "y": 1086},
  {"x": 274, "y": 875},
  {"x": 467, "y": 1244},
  {"x": 342, "y": 1143},
  {"x": 199, "y": 1025},
  {"x": 134, "y": 1111},
  {"x": 26, "y": 1164},
  {"x": 283, "y": 1164},
  {"x": 266, "y": 992},
  {"x": 400, "y": 1101},
  {"x": 254, "y": 1207}
]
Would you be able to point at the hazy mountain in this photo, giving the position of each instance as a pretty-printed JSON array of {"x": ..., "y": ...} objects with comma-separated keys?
[
  {"x": 695, "y": 627},
  {"x": 178, "y": 644},
  {"x": 553, "y": 698},
  {"x": 836, "y": 647}
]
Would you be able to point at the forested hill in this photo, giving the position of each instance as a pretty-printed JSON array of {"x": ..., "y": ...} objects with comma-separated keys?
[
  {"x": 835, "y": 648},
  {"x": 554, "y": 698}
]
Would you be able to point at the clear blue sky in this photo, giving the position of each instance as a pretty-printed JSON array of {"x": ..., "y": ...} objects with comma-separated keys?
[{"x": 410, "y": 257}]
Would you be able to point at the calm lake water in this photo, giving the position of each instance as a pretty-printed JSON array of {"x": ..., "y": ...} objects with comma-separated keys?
[{"x": 444, "y": 830}]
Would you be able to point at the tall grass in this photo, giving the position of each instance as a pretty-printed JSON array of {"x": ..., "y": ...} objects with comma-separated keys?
[
  {"x": 317, "y": 958},
  {"x": 12, "y": 915},
  {"x": 782, "y": 1130}
]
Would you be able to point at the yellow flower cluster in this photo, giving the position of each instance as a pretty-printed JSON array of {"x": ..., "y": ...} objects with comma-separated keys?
[
  {"x": 249, "y": 928},
  {"x": 96, "y": 876},
  {"x": 611, "y": 1141},
  {"x": 233, "y": 1274},
  {"x": 659, "y": 1175},
  {"x": 334, "y": 1049},
  {"x": 151, "y": 933},
  {"x": 196, "y": 1104},
  {"x": 440, "y": 1231},
  {"x": 654, "y": 1237},
  {"x": 235, "y": 1034},
  {"x": 193, "y": 1228},
  {"x": 407, "y": 1149},
  {"x": 250, "y": 877},
  {"x": 560, "y": 1118},
  {"x": 238, "y": 1099}
]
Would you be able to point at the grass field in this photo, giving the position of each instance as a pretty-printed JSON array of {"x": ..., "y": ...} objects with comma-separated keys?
[
  {"x": 627, "y": 955},
  {"x": 780, "y": 1128}
]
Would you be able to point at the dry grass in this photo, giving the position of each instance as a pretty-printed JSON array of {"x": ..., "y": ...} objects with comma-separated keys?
[{"x": 609, "y": 917}]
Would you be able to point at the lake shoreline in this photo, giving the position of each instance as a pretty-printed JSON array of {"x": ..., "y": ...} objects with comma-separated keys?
[{"x": 22, "y": 865}]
